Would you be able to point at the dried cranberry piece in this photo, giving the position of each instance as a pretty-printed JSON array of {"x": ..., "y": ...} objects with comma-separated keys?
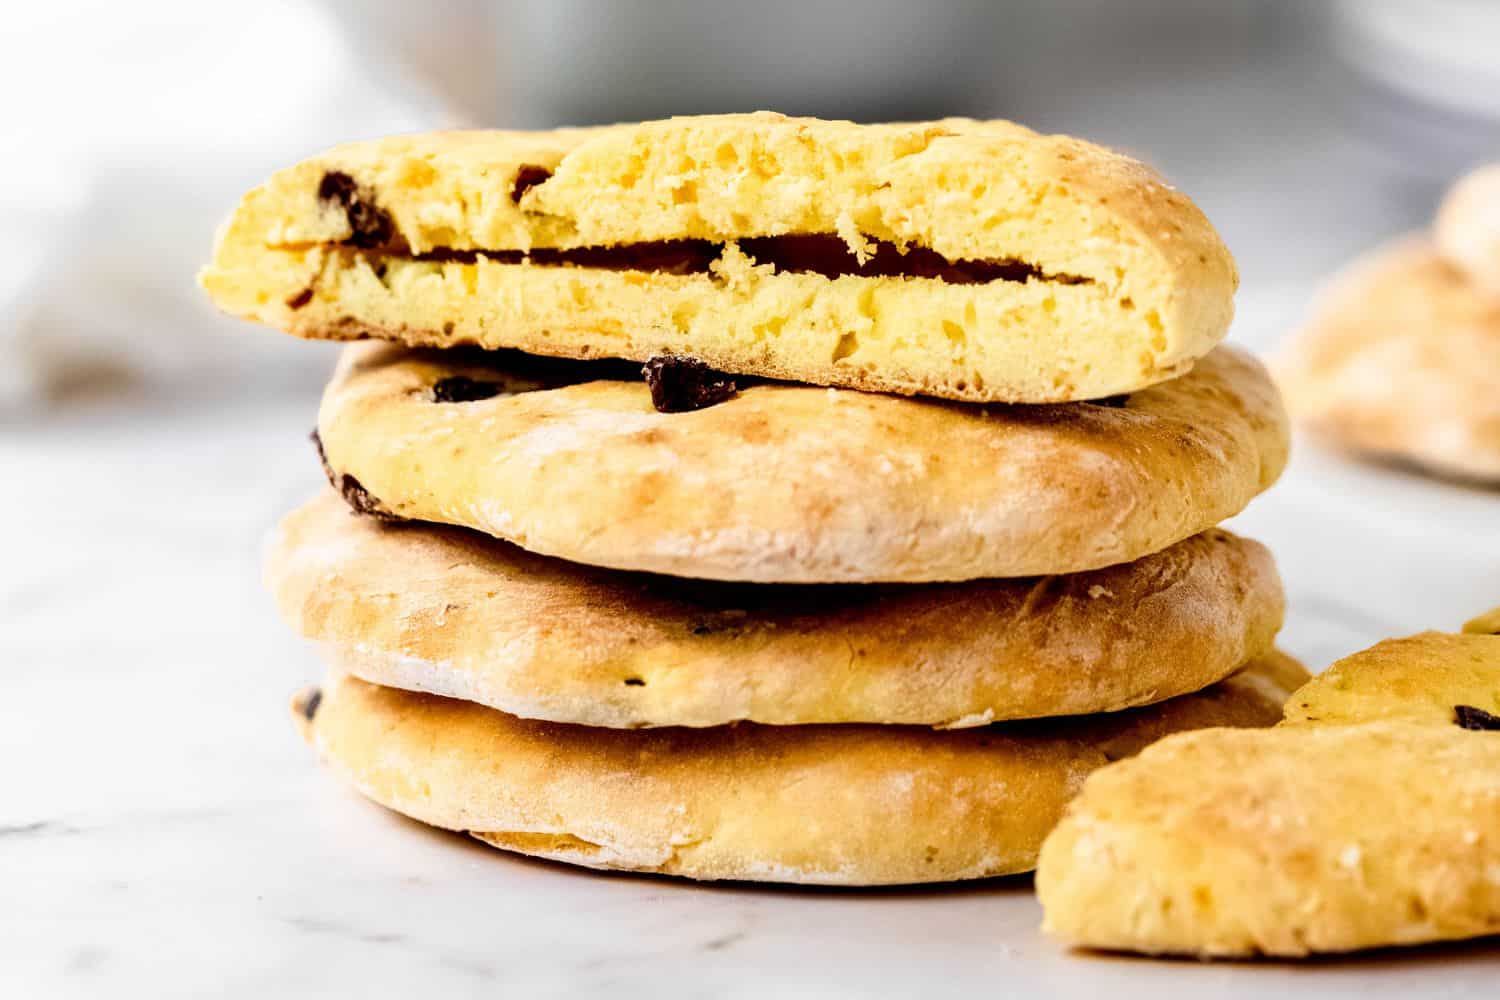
[
  {"x": 462, "y": 389},
  {"x": 359, "y": 499},
  {"x": 370, "y": 225},
  {"x": 528, "y": 177},
  {"x": 1470, "y": 717},
  {"x": 681, "y": 384}
]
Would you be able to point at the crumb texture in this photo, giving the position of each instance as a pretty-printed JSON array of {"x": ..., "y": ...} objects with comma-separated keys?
[{"x": 1117, "y": 280}]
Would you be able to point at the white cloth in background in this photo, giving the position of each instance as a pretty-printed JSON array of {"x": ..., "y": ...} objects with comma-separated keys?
[{"x": 130, "y": 130}]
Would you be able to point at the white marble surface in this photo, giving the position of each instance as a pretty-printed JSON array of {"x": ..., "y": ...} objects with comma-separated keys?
[{"x": 164, "y": 833}]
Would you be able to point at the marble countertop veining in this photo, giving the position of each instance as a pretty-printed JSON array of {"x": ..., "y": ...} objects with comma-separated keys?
[{"x": 163, "y": 832}]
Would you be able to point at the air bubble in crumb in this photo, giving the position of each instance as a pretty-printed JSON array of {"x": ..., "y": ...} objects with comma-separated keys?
[{"x": 847, "y": 345}]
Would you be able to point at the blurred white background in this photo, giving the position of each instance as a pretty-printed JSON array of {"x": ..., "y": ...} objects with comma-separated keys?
[{"x": 1307, "y": 130}]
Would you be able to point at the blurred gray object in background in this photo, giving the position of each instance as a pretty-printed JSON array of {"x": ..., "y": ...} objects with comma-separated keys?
[
  {"x": 870, "y": 60},
  {"x": 1426, "y": 77},
  {"x": 587, "y": 62}
]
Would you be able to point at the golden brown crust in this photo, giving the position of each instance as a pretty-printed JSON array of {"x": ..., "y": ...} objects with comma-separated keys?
[
  {"x": 1158, "y": 295},
  {"x": 1467, "y": 230},
  {"x": 833, "y": 805},
  {"x": 1402, "y": 358},
  {"x": 1485, "y": 624},
  {"x": 1419, "y": 678},
  {"x": 1282, "y": 842},
  {"x": 788, "y": 484},
  {"x": 455, "y": 613},
  {"x": 1371, "y": 818}
]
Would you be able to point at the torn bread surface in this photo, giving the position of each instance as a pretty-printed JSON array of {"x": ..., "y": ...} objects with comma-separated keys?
[{"x": 970, "y": 260}]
